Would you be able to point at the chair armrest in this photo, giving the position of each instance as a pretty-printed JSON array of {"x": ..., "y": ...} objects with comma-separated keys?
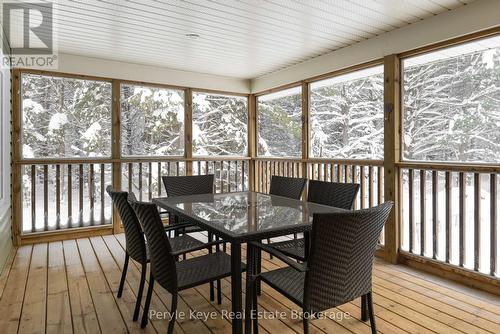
[
  {"x": 177, "y": 226},
  {"x": 197, "y": 248},
  {"x": 279, "y": 255}
]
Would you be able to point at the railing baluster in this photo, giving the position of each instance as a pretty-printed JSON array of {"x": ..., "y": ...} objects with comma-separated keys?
[
  {"x": 140, "y": 181},
  {"x": 363, "y": 186},
  {"x": 370, "y": 186},
  {"x": 339, "y": 173},
  {"x": 422, "y": 211},
  {"x": 130, "y": 176},
  {"x": 380, "y": 187},
  {"x": 70, "y": 196},
  {"x": 435, "y": 186},
  {"x": 45, "y": 197},
  {"x": 150, "y": 181},
  {"x": 461, "y": 217},
  {"x": 103, "y": 194},
  {"x": 493, "y": 224},
  {"x": 411, "y": 202},
  {"x": 448, "y": 216},
  {"x": 80, "y": 194},
  {"x": 33, "y": 198},
  {"x": 477, "y": 219},
  {"x": 158, "y": 182},
  {"x": 91, "y": 193},
  {"x": 58, "y": 197}
]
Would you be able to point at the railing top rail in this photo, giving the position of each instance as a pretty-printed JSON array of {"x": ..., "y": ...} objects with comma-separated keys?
[{"x": 451, "y": 167}]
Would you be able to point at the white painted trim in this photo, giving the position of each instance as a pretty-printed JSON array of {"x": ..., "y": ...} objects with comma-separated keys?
[
  {"x": 477, "y": 16},
  {"x": 128, "y": 71}
]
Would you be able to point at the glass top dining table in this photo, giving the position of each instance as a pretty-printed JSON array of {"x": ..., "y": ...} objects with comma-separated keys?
[
  {"x": 244, "y": 216},
  {"x": 241, "y": 217}
]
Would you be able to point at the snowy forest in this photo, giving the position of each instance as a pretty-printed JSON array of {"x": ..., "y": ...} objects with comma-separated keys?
[
  {"x": 452, "y": 108},
  {"x": 279, "y": 124},
  {"x": 64, "y": 117}
]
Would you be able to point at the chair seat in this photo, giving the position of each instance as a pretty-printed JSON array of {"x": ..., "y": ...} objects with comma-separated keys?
[
  {"x": 288, "y": 282},
  {"x": 203, "y": 269},
  {"x": 293, "y": 248},
  {"x": 180, "y": 243},
  {"x": 184, "y": 242}
]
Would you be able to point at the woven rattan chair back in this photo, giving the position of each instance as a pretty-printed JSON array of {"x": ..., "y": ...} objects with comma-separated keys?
[
  {"x": 134, "y": 237},
  {"x": 188, "y": 185},
  {"x": 160, "y": 251},
  {"x": 340, "y": 195},
  {"x": 290, "y": 187},
  {"x": 341, "y": 259}
]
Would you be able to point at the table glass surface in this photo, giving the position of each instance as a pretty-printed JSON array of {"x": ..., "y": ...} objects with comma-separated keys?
[{"x": 246, "y": 212}]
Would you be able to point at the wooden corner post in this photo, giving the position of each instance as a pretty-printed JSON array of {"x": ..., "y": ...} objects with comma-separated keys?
[
  {"x": 116, "y": 148},
  {"x": 16, "y": 176},
  {"x": 392, "y": 129},
  {"x": 305, "y": 130},
  {"x": 252, "y": 141},
  {"x": 188, "y": 130}
]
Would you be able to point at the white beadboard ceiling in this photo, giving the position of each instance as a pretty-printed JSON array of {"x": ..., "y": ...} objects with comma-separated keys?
[{"x": 238, "y": 38}]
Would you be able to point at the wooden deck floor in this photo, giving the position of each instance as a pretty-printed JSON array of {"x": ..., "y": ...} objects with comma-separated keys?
[{"x": 70, "y": 286}]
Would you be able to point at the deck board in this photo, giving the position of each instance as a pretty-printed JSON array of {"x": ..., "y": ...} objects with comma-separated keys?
[{"x": 70, "y": 286}]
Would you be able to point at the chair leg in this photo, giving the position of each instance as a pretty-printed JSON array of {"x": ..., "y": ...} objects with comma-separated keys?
[
  {"x": 258, "y": 269},
  {"x": 124, "y": 274},
  {"x": 255, "y": 306},
  {"x": 139, "y": 293},
  {"x": 219, "y": 292},
  {"x": 364, "y": 313},
  {"x": 268, "y": 242},
  {"x": 144, "y": 321},
  {"x": 305, "y": 322},
  {"x": 173, "y": 314},
  {"x": 212, "y": 294},
  {"x": 369, "y": 302}
]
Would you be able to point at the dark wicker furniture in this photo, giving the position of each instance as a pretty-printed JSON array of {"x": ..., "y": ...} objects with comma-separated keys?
[
  {"x": 241, "y": 217},
  {"x": 172, "y": 275},
  {"x": 339, "y": 195},
  {"x": 135, "y": 244},
  {"x": 339, "y": 268},
  {"x": 290, "y": 187}
]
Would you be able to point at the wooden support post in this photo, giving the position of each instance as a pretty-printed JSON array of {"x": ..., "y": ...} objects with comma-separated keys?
[
  {"x": 116, "y": 148},
  {"x": 252, "y": 141},
  {"x": 188, "y": 130},
  {"x": 16, "y": 180},
  {"x": 305, "y": 130},
  {"x": 392, "y": 116}
]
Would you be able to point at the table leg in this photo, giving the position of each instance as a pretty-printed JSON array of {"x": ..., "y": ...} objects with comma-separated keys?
[{"x": 236, "y": 287}]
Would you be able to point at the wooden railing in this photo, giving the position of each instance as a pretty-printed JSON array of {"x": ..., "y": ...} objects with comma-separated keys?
[
  {"x": 449, "y": 214},
  {"x": 64, "y": 195},
  {"x": 143, "y": 177},
  {"x": 368, "y": 173}
]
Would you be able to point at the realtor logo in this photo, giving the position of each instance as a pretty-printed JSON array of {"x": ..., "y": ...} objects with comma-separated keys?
[{"x": 29, "y": 35}]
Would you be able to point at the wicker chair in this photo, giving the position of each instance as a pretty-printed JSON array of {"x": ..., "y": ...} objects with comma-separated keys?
[
  {"x": 135, "y": 244},
  {"x": 340, "y": 195},
  {"x": 188, "y": 185},
  {"x": 290, "y": 187},
  {"x": 171, "y": 275},
  {"x": 192, "y": 185},
  {"x": 339, "y": 268}
]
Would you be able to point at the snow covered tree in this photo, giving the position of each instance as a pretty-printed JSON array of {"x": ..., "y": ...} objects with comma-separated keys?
[
  {"x": 219, "y": 124},
  {"x": 279, "y": 124}
]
